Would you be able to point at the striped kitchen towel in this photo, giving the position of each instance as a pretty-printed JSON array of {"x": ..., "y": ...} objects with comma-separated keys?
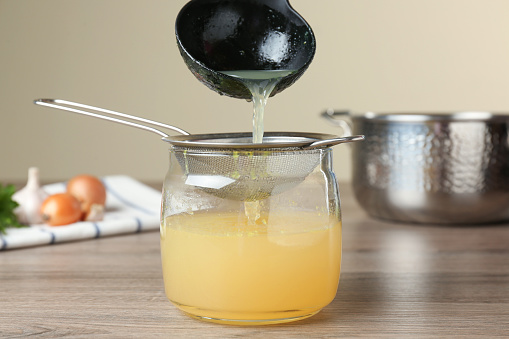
[{"x": 130, "y": 207}]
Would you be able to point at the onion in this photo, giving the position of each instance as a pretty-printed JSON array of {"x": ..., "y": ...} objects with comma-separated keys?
[
  {"x": 60, "y": 209},
  {"x": 89, "y": 191}
]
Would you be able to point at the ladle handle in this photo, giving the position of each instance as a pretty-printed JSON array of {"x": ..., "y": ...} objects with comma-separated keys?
[{"x": 71, "y": 107}]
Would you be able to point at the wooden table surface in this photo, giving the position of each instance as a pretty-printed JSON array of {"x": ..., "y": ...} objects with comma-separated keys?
[{"x": 397, "y": 280}]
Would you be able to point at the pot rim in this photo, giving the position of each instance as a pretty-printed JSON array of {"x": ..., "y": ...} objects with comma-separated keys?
[{"x": 461, "y": 116}]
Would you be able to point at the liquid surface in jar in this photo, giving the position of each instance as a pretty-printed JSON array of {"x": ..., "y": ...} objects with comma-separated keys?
[
  {"x": 221, "y": 266},
  {"x": 261, "y": 83}
]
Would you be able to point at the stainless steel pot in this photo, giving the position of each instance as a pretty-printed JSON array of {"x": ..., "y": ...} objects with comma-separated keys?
[{"x": 430, "y": 168}]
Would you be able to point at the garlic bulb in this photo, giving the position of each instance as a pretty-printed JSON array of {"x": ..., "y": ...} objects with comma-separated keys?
[{"x": 30, "y": 199}]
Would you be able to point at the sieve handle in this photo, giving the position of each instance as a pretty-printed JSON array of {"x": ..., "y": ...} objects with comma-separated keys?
[
  {"x": 334, "y": 141},
  {"x": 97, "y": 112}
]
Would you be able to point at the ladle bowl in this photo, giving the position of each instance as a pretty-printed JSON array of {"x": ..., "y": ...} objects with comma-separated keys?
[{"x": 216, "y": 36}]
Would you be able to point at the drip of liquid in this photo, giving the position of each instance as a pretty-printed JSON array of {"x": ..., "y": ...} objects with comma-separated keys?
[{"x": 260, "y": 83}]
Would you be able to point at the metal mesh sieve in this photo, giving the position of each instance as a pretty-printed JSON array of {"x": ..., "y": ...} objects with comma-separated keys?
[
  {"x": 230, "y": 166},
  {"x": 246, "y": 174}
]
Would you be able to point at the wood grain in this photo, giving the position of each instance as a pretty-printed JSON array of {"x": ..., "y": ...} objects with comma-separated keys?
[{"x": 397, "y": 280}]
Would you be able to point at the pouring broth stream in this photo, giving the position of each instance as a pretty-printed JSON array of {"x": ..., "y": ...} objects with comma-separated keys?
[{"x": 260, "y": 83}]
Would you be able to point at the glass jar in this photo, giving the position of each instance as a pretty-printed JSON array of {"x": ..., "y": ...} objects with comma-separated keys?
[{"x": 250, "y": 236}]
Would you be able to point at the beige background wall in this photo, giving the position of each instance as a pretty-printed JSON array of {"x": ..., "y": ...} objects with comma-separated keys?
[{"x": 120, "y": 54}]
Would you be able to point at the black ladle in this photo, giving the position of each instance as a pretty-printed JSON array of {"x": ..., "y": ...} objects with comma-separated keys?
[{"x": 229, "y": 35}]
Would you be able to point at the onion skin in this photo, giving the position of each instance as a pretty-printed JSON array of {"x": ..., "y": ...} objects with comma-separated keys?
[
  {"x": 89, "y": 190},
  {"x": 96, "y": 213},
  {"x": 61, "y": 209}
]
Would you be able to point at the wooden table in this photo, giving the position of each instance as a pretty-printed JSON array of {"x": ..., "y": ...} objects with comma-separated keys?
[{"x": 397, "y": 280}]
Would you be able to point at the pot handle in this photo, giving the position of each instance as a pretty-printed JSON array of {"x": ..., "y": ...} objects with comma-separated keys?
[{"x": 339, "y": 119}]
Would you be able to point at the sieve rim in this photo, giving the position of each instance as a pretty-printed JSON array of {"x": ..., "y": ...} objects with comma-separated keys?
[{"x": 272, "y": 140}]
